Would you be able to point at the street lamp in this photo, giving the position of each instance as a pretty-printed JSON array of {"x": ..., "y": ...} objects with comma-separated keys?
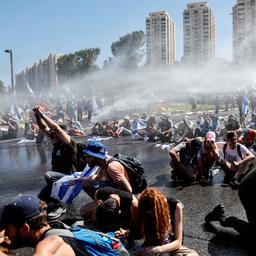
[{"x": 11, "y": 61}]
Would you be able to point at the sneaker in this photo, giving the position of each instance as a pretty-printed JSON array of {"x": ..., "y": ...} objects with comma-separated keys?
[
  {"x": 216, "y": 214},
  {"x": 234, "y": 184},
  {"x": 56, "y": 213}
]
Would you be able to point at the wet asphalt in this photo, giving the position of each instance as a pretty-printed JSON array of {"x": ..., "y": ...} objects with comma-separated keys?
[{"x": 23, "y": 166}]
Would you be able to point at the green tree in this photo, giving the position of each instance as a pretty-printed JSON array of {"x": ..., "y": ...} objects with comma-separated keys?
[
  {"x": 128, "y": 50},
  {"x": 78, "y": 63}
]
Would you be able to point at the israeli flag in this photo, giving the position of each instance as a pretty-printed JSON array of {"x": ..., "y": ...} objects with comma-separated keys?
[
  {"x": 63, "y": 189},
  {"x": 138, "y": 125}
]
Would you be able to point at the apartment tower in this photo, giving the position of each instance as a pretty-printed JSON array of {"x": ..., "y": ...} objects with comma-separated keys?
[
  {"x": 40, "y": 76},
  {"x": 198, "y": 33},
  {"x": 244, "y": 31},
  {"x": 160, "y": 39}
]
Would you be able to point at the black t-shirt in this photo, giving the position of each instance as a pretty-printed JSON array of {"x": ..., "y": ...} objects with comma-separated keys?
[
  {"x": 64, "y": 157},
  {"x": 125, "y": 201},
  {"x": 172, "y": 207},
  {"x": 78, "y": 249}
]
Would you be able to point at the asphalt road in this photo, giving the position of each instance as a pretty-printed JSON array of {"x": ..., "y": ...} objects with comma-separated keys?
[{"x": 23, "y": 167}]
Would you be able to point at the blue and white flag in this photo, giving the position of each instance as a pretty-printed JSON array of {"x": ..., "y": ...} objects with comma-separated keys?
[
  {"x": 138, "y": 125},
  {"x": 16, "y": 112},
  {"x": 245, "y": 105},
  {"x": 65, "y": 190}
]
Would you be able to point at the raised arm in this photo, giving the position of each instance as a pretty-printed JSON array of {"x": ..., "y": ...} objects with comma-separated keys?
[{"x": 46, "y": 124}]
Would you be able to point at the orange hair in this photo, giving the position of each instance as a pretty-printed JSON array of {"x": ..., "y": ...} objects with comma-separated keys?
[{"x": 153, "y": 216}]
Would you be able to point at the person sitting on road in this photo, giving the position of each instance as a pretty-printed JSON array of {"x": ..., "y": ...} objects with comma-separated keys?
[
  {"x": 183, "y": 130},
  {"x": 247, "y": 229},
  {"x": 151, "y": 129},
  {"x": 165, "y": 129},
  {"x": 184, "y": 160},
  {"x": 31, "y": 130},
  {"x": 24, "y": 219},
  {"x": 100, "y": 129},
  {"x": 75, "y": 129},
  {"x": 64, "y": 159},
  {"x": 110, "y": 173},
  {"x": 206, "y": 157},
  {"x": 236, "y": 159},
  {"x": 248, "y": 138},
  {"x": 160, "y": 223},
  {"x": 125, "y": 128},
  {"x": 231, "y": 124}
]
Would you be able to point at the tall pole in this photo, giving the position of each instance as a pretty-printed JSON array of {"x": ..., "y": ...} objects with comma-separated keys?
[{"x": 11, "y": 62}]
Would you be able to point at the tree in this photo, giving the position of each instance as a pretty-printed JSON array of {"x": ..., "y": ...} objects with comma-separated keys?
[
  {"x": 78, "y": 63},
  {"x": 127, "y": 50}
]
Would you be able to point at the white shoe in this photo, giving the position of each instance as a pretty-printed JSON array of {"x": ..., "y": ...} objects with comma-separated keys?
[{"x": 56, "y": 214}]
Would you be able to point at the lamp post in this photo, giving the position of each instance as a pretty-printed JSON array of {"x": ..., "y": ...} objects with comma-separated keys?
[{"x": 11, "y": 61}]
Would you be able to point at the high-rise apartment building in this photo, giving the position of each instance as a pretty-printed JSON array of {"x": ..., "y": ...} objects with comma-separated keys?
[
  {"x": 40, "y": 76},
  {"x": 160, "y": 39},
  {"x": 198, "y": 33},
  {"x": 244, "y": 31}
]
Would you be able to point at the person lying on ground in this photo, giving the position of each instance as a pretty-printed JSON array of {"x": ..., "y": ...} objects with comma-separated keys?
[
  {"x": 247, "y": 229},
  {"x": 111, "y": 208}
]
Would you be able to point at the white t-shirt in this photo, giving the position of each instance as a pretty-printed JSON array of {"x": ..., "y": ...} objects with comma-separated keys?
[{"x": 231, "y": 155}]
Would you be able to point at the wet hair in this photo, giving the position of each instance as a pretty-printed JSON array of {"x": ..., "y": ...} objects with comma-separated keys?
[
  {"x": 107, "y": 211},
  {"x": 153, "y": 216},
  {"x": 231, "y": 135}
]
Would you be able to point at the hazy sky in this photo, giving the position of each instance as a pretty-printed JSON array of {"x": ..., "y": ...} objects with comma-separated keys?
[{"x": 35, "y": 28}]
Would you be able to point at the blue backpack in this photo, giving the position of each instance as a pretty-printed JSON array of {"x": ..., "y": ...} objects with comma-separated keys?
[{"x": 95, "y": 243}]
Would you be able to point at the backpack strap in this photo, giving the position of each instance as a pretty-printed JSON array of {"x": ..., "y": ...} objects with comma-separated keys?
[
  {"x": 224, "y": 150},
  {"x": 239, "y": 150},
  {"x": 59, "y": 232}
]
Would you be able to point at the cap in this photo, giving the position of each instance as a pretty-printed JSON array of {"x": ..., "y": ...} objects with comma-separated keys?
[
  {"x": 210, "y": 136},
  {"x": 96, "y": 149},
  {"x": 127, "y": 117},
  {"x": 20, "y": 209}
]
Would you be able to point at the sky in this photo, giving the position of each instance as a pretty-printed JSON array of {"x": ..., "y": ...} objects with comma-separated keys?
[{"x": 35, "y": 28}]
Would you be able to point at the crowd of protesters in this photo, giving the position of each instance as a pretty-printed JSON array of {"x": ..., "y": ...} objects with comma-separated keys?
[{"x": 195, "y": 149}]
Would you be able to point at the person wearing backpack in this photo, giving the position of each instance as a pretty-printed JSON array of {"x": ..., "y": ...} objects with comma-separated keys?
[
  {"x": 111, "y": 172},
  {"x": 236, "y": 159},
  {"x": 24, "y": 221}
]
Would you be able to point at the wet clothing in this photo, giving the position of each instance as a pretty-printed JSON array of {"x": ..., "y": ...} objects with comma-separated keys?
[
  {"x": 172, "y": 203},
  {"x": 125, "y": 201},
  {"x": 74, "y": 244},
  {"x": 64, "y": 157}
]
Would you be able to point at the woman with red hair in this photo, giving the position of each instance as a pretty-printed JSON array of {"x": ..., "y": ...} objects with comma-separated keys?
[{"x": 160, "y": 222}]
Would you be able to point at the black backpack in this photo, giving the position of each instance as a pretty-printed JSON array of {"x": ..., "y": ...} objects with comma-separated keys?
[
  {"x": 135, "y": 171},
  {"x": 79, "y": 156}
]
